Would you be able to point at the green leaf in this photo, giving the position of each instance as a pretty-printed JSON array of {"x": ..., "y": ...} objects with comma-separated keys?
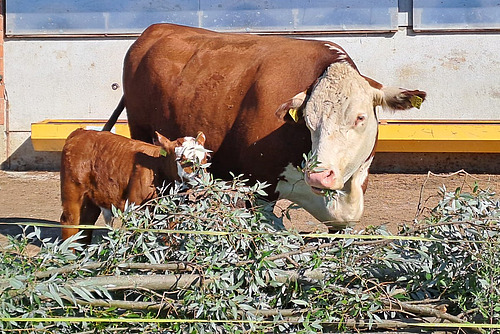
[
  {"x": 16, "y": 283},
  {"x": 54, "y": 293},
  {"x": 300, "y": 302},
  {"x": 246, "y": 307},
  {"x": 83, "y": 293}
]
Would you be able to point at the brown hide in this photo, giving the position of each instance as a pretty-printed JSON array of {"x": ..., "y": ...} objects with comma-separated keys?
[
  {"x": 238, "y": 89},
  {"x": 179, "y": 79},
  {"x": 101, "y": 169}
]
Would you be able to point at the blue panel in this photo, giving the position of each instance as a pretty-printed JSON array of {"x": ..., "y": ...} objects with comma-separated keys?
[
  {"x": 299, "y": 15},
  {"x": 95, "y": 16},
  {"x": 48, "y": 17},
  {"x": 456, "y": 15}
]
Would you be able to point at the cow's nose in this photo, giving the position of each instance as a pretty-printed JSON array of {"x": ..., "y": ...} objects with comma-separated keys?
[{"x": 323, "y": 180}]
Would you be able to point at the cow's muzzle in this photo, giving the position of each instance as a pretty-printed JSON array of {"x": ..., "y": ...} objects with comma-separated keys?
[{"x": 324, "y": 180}]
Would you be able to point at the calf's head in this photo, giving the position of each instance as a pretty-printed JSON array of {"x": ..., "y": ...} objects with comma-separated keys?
[
  {"x": 189, "y": 152},
  {"x": 340, "y": 113}
]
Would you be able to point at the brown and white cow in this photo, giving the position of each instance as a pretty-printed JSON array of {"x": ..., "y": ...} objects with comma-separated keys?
[
  {"x": 239, "y": 88},
  {"x": 101, "y": 169}
]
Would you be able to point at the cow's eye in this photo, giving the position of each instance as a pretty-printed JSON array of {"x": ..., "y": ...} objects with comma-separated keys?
[{"x": 360, "y": 119}]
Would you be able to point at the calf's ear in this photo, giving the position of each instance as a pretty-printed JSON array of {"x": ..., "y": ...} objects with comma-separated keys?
[
  {"x": 290, "y": 110},
  {"x": 399, "y": 99},
  {"x": 164, "y": 142},
  {"x": 200, "y": 138}
]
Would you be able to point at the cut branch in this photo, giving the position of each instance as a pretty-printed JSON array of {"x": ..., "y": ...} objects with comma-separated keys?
[
  {"x": 179, "y": 281},
  {"x": 151, "y": 282},
  {"x": 170, "y": 266},
  {"x": 125, "y": 304}
]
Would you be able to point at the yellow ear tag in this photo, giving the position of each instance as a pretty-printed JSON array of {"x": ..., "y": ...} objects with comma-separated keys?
[
  {"x": 163, "y": 152},
  {"x": 416, "y": 101},
  {"x": 294, "y": 114}
]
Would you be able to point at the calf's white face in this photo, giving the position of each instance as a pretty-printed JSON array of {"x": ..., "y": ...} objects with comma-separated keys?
[
  {"x": 341, "y": 117},
  {"x": 190, "y": 152}
]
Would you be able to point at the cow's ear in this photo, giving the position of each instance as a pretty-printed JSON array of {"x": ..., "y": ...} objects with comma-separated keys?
[
  {"x": 164, "y": 142},
  {"x": 200, "y": 138},
  {"x": 290, "y": 110},
  {"x": 401, "y": 99}
]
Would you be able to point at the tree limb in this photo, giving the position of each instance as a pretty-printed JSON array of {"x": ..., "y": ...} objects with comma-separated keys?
[
  {"x": 151, "y": 282},
  {"x": 170, "y": 266}
]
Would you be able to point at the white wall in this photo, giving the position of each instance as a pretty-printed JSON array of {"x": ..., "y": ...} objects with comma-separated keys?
[
  {"x": 72, "y": 78},
  {"x": 460, "y": 72},
  {"x": 54, "y": 79}
]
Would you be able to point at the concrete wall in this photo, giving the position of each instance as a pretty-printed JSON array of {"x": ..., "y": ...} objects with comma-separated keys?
[
  {"x": 72, "y": 78},
  {"x": 458, "y": 71},
  {"x": 57, "y": 79}
]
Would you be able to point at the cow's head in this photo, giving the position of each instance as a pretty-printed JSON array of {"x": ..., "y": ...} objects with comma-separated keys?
[{"x": 340, "y": 113}]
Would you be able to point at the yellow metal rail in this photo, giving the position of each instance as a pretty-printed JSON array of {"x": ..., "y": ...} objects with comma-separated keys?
[
  {"x": 439, "y": 136},
  {"x": 394, "y": 136},
  {"x": 50, "y": 135}
]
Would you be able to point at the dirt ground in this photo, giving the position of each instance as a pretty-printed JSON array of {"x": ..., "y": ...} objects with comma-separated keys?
[{"x": 391, "y": 199}]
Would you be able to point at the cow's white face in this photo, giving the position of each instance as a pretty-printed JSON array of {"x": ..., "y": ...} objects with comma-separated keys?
[
  {"x": 340, "y": 113},
  {"x": 341, "y": 117}
]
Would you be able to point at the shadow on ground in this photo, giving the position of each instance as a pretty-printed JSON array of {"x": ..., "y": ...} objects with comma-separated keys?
[
  {"x": 14, "y": 226},
  {"x": 25, "y": 158}
]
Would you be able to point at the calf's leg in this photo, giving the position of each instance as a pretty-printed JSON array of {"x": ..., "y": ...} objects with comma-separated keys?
[
  {"x": 72, "y": 200},
  {"x": 78, "y": 209},
  {"x": 88, "y": 216}
]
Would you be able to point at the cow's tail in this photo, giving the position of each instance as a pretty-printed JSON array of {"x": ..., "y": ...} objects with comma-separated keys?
[{"x": 114, "y": 117}]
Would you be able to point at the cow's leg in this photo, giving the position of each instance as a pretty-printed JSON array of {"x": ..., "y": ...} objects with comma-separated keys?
[
  {"x": 88, "y": 216},
  {"x": 142, "y": 133}
]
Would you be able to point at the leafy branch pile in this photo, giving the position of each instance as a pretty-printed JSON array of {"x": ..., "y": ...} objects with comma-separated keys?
[{"x": 216, "y": 254}]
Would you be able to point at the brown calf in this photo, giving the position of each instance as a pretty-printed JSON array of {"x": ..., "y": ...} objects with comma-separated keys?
[{"x": 101, "y": 169}]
